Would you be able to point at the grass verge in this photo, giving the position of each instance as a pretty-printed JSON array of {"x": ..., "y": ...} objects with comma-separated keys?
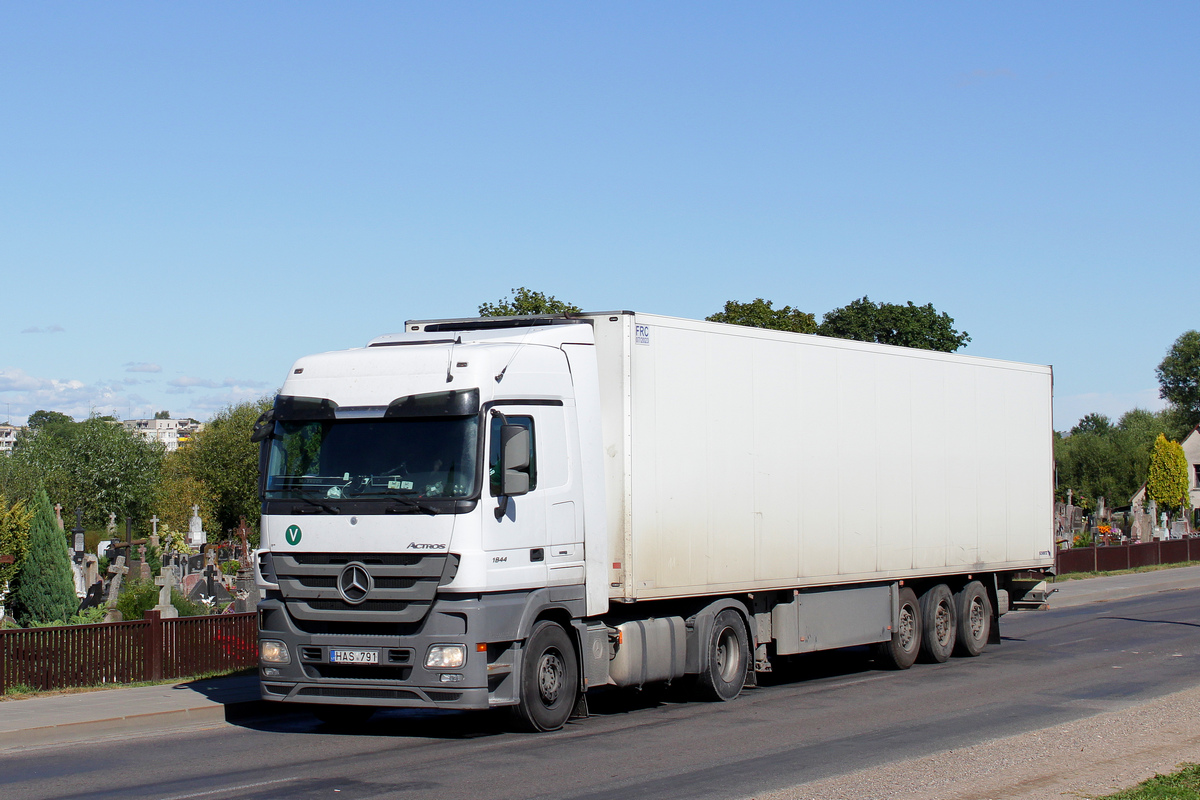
[
  {"x": 23, "y": 692},
  {"x": 1184, "y": 783},
  {"x": 1078, "y": 576}
]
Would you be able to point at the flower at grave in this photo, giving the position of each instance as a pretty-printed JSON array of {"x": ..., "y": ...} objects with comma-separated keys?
[
  {"x": 174, "y": 541},
  {"x": 1104, "y": 530}
]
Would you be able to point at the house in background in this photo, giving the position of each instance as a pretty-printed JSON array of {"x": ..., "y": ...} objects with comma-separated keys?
[
  {"x": 1191, "y": 451},
  {"x": 164, "y": 431},
  {"x": 8, "y": 438}
]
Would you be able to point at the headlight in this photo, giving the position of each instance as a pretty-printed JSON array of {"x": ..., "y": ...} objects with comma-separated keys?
[
  {"x": 273, "y": 652},
  {"x": 446, "y": 656}
]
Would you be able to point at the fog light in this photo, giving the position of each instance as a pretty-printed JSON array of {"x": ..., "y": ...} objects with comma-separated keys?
[
  {"x": 451, "y": 677},
  {"x": 270, "y": 672},
  {"x": 446, "y": 656},
  {"x": 273, "y": 652}
]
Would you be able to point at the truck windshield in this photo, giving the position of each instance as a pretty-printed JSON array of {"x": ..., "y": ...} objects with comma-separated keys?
[{"x": 372, "y": 458}]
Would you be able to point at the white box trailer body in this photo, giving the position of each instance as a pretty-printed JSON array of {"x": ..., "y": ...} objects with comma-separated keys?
[
  {"x": 741, "y": 459},
  {"x": 619, "y": 498}
]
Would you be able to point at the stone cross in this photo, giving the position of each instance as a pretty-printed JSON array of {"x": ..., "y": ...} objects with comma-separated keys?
[
  {"x": 111, "y": 527},
  {"x": 58, "y": 516},
  {"x": 166, "y": 581},
  {"x": 143, "y": 566},
  {"x": 243, "y": 532},
  {"x": 154, "y": 530},
  {"x": 117, "y": 570}
]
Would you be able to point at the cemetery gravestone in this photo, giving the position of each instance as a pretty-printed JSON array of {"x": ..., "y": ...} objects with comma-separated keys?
[{"x": 118, "y": 571}]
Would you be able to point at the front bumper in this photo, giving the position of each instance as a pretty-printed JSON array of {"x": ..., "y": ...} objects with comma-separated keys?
[{"x": 400, "y": 679}]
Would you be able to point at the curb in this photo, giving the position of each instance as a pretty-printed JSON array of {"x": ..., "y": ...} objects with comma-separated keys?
[{"x": 77, "y": 730}]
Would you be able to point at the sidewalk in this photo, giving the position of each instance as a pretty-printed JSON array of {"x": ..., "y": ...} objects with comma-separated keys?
[
  {"x": 69, "y": 717},
  {"x": 1120, "y": 587}
]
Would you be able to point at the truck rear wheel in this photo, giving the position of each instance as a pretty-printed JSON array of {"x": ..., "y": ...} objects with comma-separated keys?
[
  {"x": 939, "y": 624},
  {"x": 549, "y": 679},
  {"x": 728, "y": 658},
  {"x": 901, "y": 650},
  {"x": 974, "y": 619}
]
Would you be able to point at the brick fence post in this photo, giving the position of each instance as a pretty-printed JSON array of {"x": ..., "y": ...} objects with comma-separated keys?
[{"x": 154, "y": 646}]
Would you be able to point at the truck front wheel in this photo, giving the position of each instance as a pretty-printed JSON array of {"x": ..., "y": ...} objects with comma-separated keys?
[
  {"x": 549, "y": 679},
  {"x": 901, "y": 650},
  {"x": 728, "y": 658}
]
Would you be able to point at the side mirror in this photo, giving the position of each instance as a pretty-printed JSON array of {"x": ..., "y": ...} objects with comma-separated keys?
[
  {"x": 514, "y": 460},
  {"x": 263, "y": 425}
]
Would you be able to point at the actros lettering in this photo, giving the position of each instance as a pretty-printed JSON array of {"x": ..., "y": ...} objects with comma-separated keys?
[{"x": 425, "y": 546}]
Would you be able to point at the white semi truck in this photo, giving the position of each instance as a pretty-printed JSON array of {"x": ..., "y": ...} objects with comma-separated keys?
[{"x": 514, "y": 511}]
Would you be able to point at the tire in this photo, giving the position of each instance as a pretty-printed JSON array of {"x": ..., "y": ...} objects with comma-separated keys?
[
  {"x": 939, "y": 624},
  {"x": 728, "y": 658},
  {"x": 974, "y": 619},
  {"x": 342, "y": 716},
  {"x": 549, "y": 679},
  {"x": 901, "y": 650}
]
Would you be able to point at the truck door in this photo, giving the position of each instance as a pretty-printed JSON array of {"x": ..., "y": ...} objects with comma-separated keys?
[{"x": 538, "y": 537}]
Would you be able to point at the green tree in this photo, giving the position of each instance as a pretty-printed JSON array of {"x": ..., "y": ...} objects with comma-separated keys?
[
  {"x": 45, "y": 590},
  {"x": 95, "y": 464},
  {"x": 887, "y": 323},
  {"x": 1167, "y": 481},
  {"x": 1100, "y": 459},
  {"x": 178, "y": 490},
  {"x": 162, "y": 414},
  {"x": 1179, "y": 377},
  {"x": 14, "y": 536},
  {"x": 40, "y": 419},
  {"x": 526, "y": 302},
  {"x": 759, "y": 314},
  {"x": 224, "y": 459}
]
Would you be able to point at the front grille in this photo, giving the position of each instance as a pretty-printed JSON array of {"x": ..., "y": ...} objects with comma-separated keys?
[
  {"x": 346, "y": 691},
  {"x": 393, "y": 606},
  {"x": 357, "y": 672},
  {"x": 444, "y": 697},
  {"x": 403, "y": 586},
  {"x": 275, "y": 688}
]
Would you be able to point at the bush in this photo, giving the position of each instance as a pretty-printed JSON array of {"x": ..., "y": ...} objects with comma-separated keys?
[
  {"x": 230, "y": 567},
  {"x": 45, "y": 589},
  {"x": 138, "y": 597}
]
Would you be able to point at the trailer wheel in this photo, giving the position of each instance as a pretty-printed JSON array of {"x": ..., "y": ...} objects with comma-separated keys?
[
  {"x": 342, "y": 716},
  {"x": 939, "y": 624},
  {"x": 728, "y": 658},
  {"x": 549, "y": 679},
  {"x": 901, "y": 650},
  {"x": 974, "y": 619}
]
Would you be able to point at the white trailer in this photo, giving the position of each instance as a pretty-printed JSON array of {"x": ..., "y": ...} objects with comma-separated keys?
[{"x": 515, "y": 511}]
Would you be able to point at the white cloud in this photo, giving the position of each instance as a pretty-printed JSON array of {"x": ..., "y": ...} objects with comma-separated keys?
[
  {"x": 188, "y": 382},
  {"x": 24, "y": 393},
  {"x": 141, "y": 366}
]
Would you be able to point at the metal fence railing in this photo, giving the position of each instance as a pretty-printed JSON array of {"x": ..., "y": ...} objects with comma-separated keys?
[
  {"x": 125, "y": 652},
  {"x": 1127, "y": 556}
]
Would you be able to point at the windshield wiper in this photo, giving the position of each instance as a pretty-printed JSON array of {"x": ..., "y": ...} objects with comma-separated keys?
[
  {"x": 406, "y": 505},
  {"x": 332, "y": 509}
]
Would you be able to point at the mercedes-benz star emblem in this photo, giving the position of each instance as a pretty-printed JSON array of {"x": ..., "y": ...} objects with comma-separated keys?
[{"x": 354, "y": 584}]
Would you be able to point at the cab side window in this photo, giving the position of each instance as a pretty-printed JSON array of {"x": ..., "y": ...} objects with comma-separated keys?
[{"x": 494, "y": 451}]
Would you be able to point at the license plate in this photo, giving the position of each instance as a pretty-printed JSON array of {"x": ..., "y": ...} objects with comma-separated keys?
[{"x": 354, "y": 656}]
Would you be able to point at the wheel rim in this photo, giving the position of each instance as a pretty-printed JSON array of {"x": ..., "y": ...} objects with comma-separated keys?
[
  {"x": 550, "y": 676},
  {"x": 976, "y": 618},
  {"x": 727, "y": 655},
  {"x": 908, "y": 627},
  {"x": 941, "y": 624}
]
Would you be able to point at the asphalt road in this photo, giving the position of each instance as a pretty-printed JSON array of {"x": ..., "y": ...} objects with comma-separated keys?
[{"x": 824, "y": 716}]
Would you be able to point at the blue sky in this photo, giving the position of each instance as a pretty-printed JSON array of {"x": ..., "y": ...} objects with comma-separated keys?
[{"x": 192, "y": 195}]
